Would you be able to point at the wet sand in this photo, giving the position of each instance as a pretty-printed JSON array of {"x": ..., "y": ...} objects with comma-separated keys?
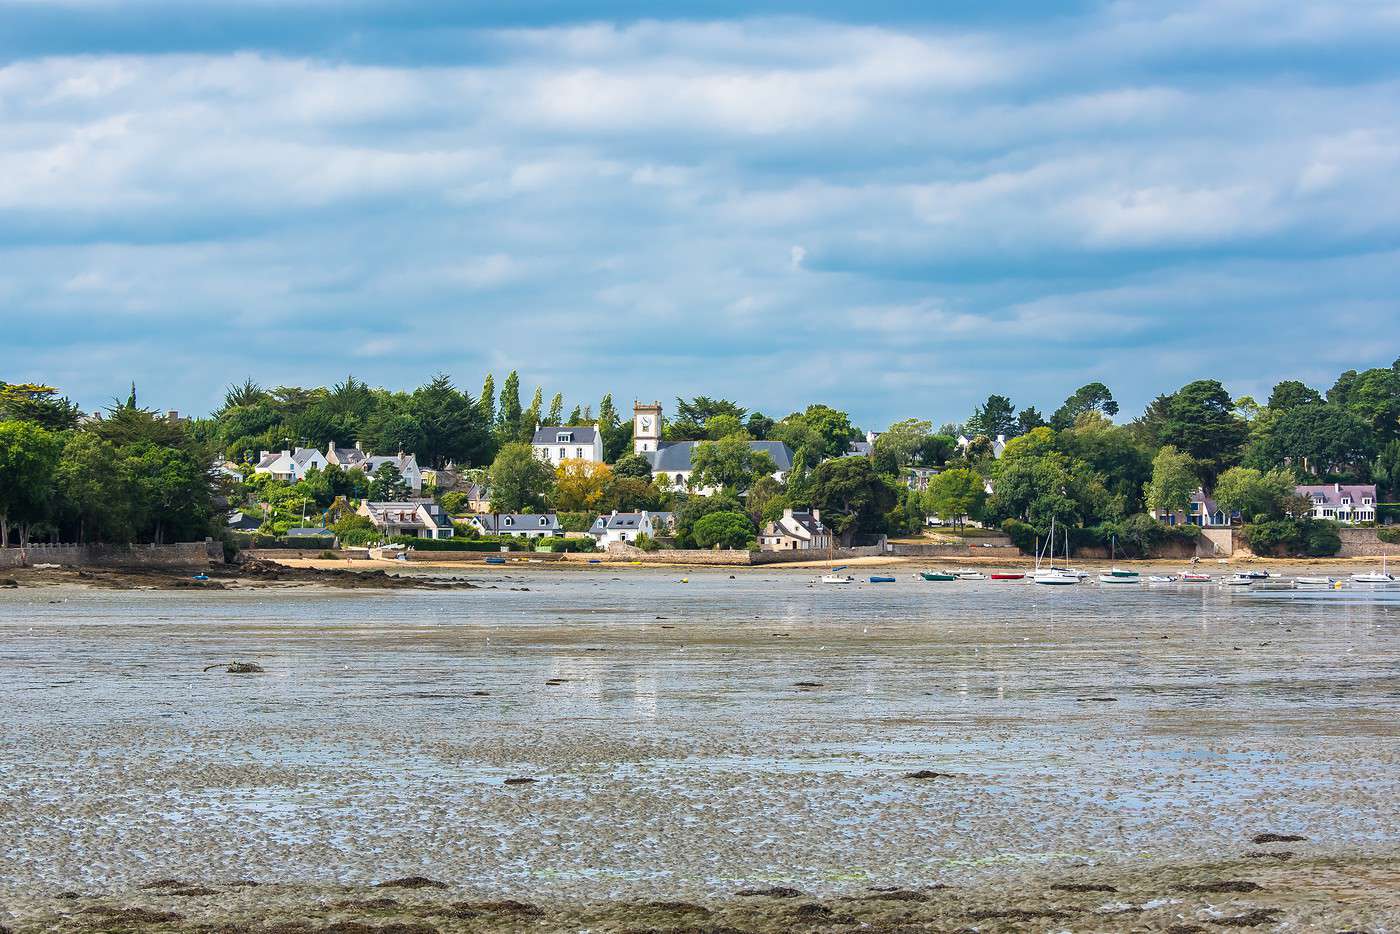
[{"x": 688, "y": 741}]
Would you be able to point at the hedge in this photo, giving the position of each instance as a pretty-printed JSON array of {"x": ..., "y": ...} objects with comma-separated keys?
[
  {"x": 1388, "y": 534},
  {"x": 457, "y": 544}
]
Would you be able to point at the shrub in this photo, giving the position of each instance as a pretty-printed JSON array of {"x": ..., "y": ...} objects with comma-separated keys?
[
  {"x": 576, "y": 545},
  {"x": 645, "y": 542},
  {"x": 1022, "y": 534},
  {"x": 462, "y": 544},
  {"x": 1314, "y": 538},
  {"x": 576, "y": 521},
  {"x": 1389, "y": 535}
]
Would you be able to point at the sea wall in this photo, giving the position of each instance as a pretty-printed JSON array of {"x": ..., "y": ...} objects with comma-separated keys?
[
  {"x": 620, "y": 551},
  {"x": 1361, "y": 543},
  {"x": 975, "y": 548},
  {"x": 179, "y": 555}
]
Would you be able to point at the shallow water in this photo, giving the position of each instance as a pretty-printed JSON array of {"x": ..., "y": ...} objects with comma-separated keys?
[{"x": 678, "y": 753}]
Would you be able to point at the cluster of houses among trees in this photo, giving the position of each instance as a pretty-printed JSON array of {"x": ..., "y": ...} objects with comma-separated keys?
[{"x": 358, "y": 464}]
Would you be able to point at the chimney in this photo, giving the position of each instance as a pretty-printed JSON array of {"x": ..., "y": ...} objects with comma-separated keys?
[
  {"x": 816, "y": 515},
  {"x": 262, "y": 455},
  {"x": 787, "y": 512},
  {"x": 286, "y": 453},
  {"x": 1338, "y": 488},
  {"x": 359, "y": 445}
]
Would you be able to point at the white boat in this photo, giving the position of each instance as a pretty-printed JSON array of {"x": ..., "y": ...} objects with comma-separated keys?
[
  {"x": 1383, "y": 576},
  {"x": 1196, "y": 577},
  {"x": 970, "y": 575},
  {"x": 838, "y": 579},
  {"x": 1238, "y": 580},
  {"x": 1163, "y": 578},
  {"x": 1325, "y": 582},
  {"x": 1054, "y": 576}
]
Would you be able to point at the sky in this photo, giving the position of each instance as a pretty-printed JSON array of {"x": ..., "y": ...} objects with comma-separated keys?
[{"x": 892, "y": 210}]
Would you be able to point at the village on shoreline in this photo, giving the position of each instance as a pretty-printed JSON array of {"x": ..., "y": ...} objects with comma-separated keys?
[{"x": 438, "y": 477}]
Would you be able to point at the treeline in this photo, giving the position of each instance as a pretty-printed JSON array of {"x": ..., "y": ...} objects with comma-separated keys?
[{"x": 127, "y": 476}]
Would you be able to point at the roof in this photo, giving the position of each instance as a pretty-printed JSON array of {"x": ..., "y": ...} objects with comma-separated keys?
[
  {"x": 672, "y": 458},
  {"x": 549, "y": 434},
  {"x": 860, "y": 449},
  {"x": 516, "y": 520},
  {"x": 310, "y": 533},
  {"x": 1332, "y": 493},
  {"x": 303, "y": 456},
  {"x": 401, "y": 461},
  {"x": 799, "y": 521},
  {"x": 348, "y": 457},
  {"x": 629, "y": 520}
]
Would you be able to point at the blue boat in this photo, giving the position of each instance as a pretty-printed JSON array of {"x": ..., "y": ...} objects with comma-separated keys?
[
  {"x": 495, "y": 560},
  {"x": 882, "y": 580}
]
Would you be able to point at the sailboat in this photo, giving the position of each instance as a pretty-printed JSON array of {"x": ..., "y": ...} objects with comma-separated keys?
[
  {"x": 836, "y": 578},
  {"x": 1383, "y": 576},
  {"x": 1117, "y": 575},
  {"x": 1052, "y": 575}
]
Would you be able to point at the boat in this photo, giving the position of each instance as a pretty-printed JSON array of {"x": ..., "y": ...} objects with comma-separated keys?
[
  {"x": 1008, "y": 575},
  {"x": 1196, "y": 577},
  {"x": 1053, "y": 576},
  {"x": 201, "y": 577},
  {"x": 1117, "y": 575},
  {"x": 1324, "y": 582},
  {"x": 937, "y": 576},
  {"x": 971, "y": 576},
  {"x": 835, "y": 577},
  {"x": 881, "y": 580},
  {"x": 495, "y": 560},
  {"x": 1383, "y": 576},
  {"x": 1162, "y": 578},
  {"x": 1239, "y": 580}
]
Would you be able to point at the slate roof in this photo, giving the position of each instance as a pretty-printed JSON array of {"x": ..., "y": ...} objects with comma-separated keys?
[
  {"x": 549, "y": 434},
  {"x": 629, "y": 520},
  {"x": 672, "y": 458},
  {"x": 1332, "y": 493},
  {"x": 519, "y": 521}
]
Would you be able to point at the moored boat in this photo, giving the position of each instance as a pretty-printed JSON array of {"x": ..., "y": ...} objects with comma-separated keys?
[
  {"x": 971, "y": 576},
  {"x": 1163, "y": 578},
  {"x": 1008, "y": 575},
  {"x": 879, "y": 579},
  {"x": 1383, "y": 576},
  {"x": 1239, "y": 580},
  {"x": 1196, "y": 577},
  {"x": 1118, "y": 575},
  {"x": 937, "y": 576}
]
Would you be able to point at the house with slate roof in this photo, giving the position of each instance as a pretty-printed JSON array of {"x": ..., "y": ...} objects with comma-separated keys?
[
  {"x": 796, "y": 530},
  {"x": 521, "y": 525},
  {"x": 356, "y": 459},
  {"x": 1202, "y": 511},
  {"x": 1342, "y": 502},
  {"x": 670, "y": 463},
  {"x": 555, "y": 443},
  {"x": 626, "y": 526},
  {"x": 418, "y": 517},
  {"x": 290, "y": 466}
]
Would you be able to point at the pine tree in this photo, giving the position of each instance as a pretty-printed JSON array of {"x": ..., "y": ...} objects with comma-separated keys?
[
  {"x": 576, "y": 416},
  {"x": 531, "y": 419},
  {"x": 556, "y": 409},
  {"x": 508, "y": 418}
]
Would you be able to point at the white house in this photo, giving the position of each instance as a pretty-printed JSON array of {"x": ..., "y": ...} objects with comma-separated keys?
[
  {"x": 1202, "y": 511},
  {"x": 356, "y": 459},
  {"x": 420, "y": 518},
  {"x": 555, "y": 443},
  {"x": 290, "y": 466},
  {"x": 796, "y": 530},
  {"x": 521, "y": 525},
  {"x": 1341, "y": 502},
  {"x": 998, "y": 444},
  {"x": 626, "y": 526}
]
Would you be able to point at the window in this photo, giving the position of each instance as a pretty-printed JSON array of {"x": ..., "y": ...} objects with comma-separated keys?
[
  {"x": 1346, "y": 500},
  {"x": 563, "y": 453},
  {"x": 564, "y": 437},
  {"x": 509, "y": 521},
  {"x": 1365, "y": 500},
  {"x": 544, "y": 521},
  {"x": 578, "y": 452}
]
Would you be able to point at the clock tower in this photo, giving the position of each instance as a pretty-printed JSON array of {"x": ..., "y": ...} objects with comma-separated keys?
[{"x": 646, "y": 427}]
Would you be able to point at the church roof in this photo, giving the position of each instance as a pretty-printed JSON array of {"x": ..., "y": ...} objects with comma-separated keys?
[{"x": 673, "y": 458}]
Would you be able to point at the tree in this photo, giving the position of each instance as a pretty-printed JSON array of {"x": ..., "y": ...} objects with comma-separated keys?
[
  {"x": 88, "y": 490},
  {"x": 955, "y": 495},
  {"x": 1387, "y": 469},
  {"x": 1036, "y": 482},
  {"x": 509, "y": 416},
  {"x": 692, "y": 418},
  {"x": 1253, "y": 493},
  {"x": 1111, "y": 451},
  {"x": 905, "y": 440},
  {"x": 1174, "y": 481},
  {"x": 996, "y": 416},
  {"x": 1029, "y": 419},
  {"x": 631, "y": 494},
  {"x": 386, "y": 484},
  {"x": 41, "y": 405},
  {"x": 724, "y": 530},
  {"x": 827, "y": 431},
  {"x": 520, "y": 481},
  {"x": 617, "y": 436},
  {"x": 1200, "y": 420},
  {"x": 556, "y": 410},
  {"x": 1316, "y": 438},
  {"x": 449, "y": 423},
  {"x": 852, "y": 497},
  {"x": 632, "y": 465},
  {"x": 170, "y": 490},
  {"x": 730, "y": 463},
  {"x": 759, "y": 425},
  {"x": 579, "y": 484},
  {"x": 1374, "y": 396},
  {"x": 1092, "y": 397},
  {"x": 722, "y": 426},
  {"x": 241, "y": 395},
  {"x": 28, "y": 457},
  {"x": 692, "y": 509},
  {"x": 486, "y": 402},
  {"x": 1291, "y": 393},
  {"x": 530, "y": 419}
]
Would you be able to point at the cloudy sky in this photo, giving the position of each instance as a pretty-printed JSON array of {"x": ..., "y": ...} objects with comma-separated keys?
[{"x": 772, "y": 201}]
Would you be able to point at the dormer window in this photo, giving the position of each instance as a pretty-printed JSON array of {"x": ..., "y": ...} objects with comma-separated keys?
[
  {"x": 1346, "y": 500},
  {"x": 508, "y": 521},
  {"x": 1365, "y": 500},
  {"x": 564, "y": 437},
  {"x": 544, "y": 521}
]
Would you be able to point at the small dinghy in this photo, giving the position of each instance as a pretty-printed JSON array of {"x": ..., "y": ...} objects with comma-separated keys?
[
  {"x": 1162, "y": 578},
  {"x": 1008, "y": 576},
  {"x": 1196, "y": 577},
  {"x": 937, "y": 576},
  {"x": 971, "y": 576},
  {"x": 881, "y": 580}
]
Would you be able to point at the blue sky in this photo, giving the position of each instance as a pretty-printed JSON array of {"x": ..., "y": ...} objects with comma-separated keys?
[{"x": 893, "y": 211}]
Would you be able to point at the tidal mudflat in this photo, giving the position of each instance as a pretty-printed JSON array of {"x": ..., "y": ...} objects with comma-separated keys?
[{"x": 629, "y": 752}]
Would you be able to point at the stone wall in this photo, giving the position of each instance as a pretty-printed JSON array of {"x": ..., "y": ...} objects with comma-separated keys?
[
  {"x": 620, "y": 551},
  {"x": 181, "y": 555},
  {"x": 995, "y": 549},
  {"x": 1364, "y": 543}
]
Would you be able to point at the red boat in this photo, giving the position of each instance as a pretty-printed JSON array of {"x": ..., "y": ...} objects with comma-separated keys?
[{"x": 1007, "y": 576}]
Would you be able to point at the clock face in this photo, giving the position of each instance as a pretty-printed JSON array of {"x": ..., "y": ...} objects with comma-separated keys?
[{"x": 646, "y": 422}]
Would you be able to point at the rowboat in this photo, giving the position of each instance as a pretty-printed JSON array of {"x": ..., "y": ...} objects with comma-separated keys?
[
  {"x": 1327, "y": 582},
  {"x": 971, "y": 576},
  {"x": 1008, "y": 576},
  {"x": 882, "y": 580},
  {"x": 1196, "y": 577},
  {"x": 937, "y": 576}
]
